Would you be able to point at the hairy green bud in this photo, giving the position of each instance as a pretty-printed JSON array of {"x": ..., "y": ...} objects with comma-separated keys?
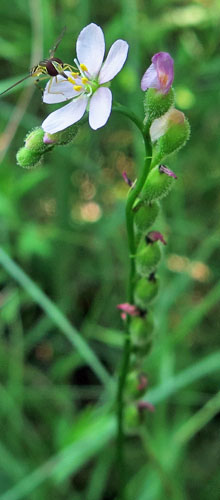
[
  {"x": 171, "y": 133},
  {"x": 157, "y": 104},
  {"x": 34, "y": 141},
  {"x": 145, "y": 291},
  {"x": 147, "y": 258},
  {"x": 63, "y": 137},
  {"x": 145, "y": 216},
  {"x": 27, "y": 158}
]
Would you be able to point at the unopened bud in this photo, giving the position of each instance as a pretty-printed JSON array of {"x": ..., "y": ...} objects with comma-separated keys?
[
  {"x": 148, "y": 256},
  {"x": 34, "y": 141},
  {"x": 27, "y": 158},
  {"x": 145, "y": 216},
  {"x": 145, "y": 291},
  {"x": 171, "y": 132},
  {"x": 158, "y": 184},
  {"x": 63, "y": 137}
]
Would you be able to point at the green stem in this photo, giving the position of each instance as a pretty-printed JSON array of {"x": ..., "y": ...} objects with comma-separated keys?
[{"x": 132, "y": 196}]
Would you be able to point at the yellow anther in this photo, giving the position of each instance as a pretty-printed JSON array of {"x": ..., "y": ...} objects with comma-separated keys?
[
  {"x": 77, "y": 87},
  {"x": 71, "y": 80},
  {"x": 84, "y": 79},
  {"x": 83, "y": 67},
  {"x": 75, "y": 74}
]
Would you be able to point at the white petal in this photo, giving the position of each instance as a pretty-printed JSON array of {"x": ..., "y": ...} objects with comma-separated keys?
[
  {"x": 65, "y": 116},
  {"x": 58, "y": 89},
  {"x": 115, "y": 60},
  {"x": 90, "y": 48},
  {"x": 100, "y": 107},
  {"x": 159, "y": 127}
]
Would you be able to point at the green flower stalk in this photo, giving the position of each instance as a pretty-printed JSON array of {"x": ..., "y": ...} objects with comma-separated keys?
[{"x": 164, "y": 130}]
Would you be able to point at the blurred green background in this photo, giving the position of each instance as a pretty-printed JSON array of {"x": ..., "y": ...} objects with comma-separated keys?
[{"x": 63, "y": 225}]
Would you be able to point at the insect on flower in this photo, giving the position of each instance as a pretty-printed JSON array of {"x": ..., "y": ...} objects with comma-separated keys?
[{"x": 50, "y": 67}]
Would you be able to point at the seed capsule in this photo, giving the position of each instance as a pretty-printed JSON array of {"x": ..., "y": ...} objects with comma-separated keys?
[
  {"x": 145, "y": 291},
  {"x": 148, "y": 256},
  {"x": 141, "y": 329},
  {"x": 157, "y": 185},
  {"x": 146, "y": 216}
]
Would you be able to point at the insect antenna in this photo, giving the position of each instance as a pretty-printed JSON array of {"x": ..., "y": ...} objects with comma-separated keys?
[
  {"x": 57, "y": 43},
  {"x": 15, "y": 84}
]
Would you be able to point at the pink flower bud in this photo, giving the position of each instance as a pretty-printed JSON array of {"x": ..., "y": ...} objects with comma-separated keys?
[{"x": 160, "y": 73}]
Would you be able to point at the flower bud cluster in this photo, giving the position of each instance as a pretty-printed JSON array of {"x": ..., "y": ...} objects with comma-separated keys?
[
  {"x": 37, "y": 143},
  {"x": 169, "y": 128}
]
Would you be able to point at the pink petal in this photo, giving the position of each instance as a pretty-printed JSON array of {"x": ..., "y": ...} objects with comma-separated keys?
[
  {"x": 58, "y": 89},
  {"x": 90, "y": 48},
  {"x": 65, "y": 116},
  {"x": 130, "y": 309},
  {"x": 114, "y": 62},
  {"x": 100, "y": 107},
  {"x": 155, "y": 236},
  {"x": 164, "y": 66},
  {"x": 150, "y": 79}
]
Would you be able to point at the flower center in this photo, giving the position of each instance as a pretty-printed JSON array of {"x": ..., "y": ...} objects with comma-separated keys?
[{"x": 81, "y": 80}]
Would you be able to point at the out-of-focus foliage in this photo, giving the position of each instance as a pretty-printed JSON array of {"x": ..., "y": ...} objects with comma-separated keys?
[{"x": 64, "y": 226}]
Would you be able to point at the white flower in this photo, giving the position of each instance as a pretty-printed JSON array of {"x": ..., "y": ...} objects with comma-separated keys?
[{"x": 87, "y": 87}]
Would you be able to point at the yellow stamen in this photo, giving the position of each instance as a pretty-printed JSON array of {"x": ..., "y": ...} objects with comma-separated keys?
[
  {"x": 71, "y": 80},
  {"x": 84, "y": 79},
  {"x": 77, "y": 87},
  {"x": 75, "y": 74},
  {"x": 83, "y": 67}
]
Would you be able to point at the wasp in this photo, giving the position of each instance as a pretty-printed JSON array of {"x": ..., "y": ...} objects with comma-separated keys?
[{"x": 50, "y": 67}]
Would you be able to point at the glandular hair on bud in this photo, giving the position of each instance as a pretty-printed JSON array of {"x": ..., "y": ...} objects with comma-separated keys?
[
  {"x": 34, "y": 141},
  {"x": 157, "y": 104},
  {"x": 147, "y": 258},
  {"x": 176, "y": 134},
  {"x": 63, "y": 137},
  {"x": 145, "y": 216},
  {"x": 145, "y": 291},
  {"x": 157, "y": 185},
  {"x": 27, "y": 158}
]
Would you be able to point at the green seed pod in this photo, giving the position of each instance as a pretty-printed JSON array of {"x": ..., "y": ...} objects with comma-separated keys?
[
  {"x": 143, "y": 351},
  {"x": 145, "y": 216},
  {"x": 145, "y": 291},
  {"x": 27, "y": 158},
  {"x": 34, "y": 141},
  {"x": 157, "y": 185},
  {"x": 157, "y": 104},
  {"x": 141, "y": 329},
  {"x": 173, "y": 135},
  {"x": 63, "y": 137},
  {"x": 147, "y": 258},
  {"x": 135, "y": 384},
  {"x": 131, "y": 418}
]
